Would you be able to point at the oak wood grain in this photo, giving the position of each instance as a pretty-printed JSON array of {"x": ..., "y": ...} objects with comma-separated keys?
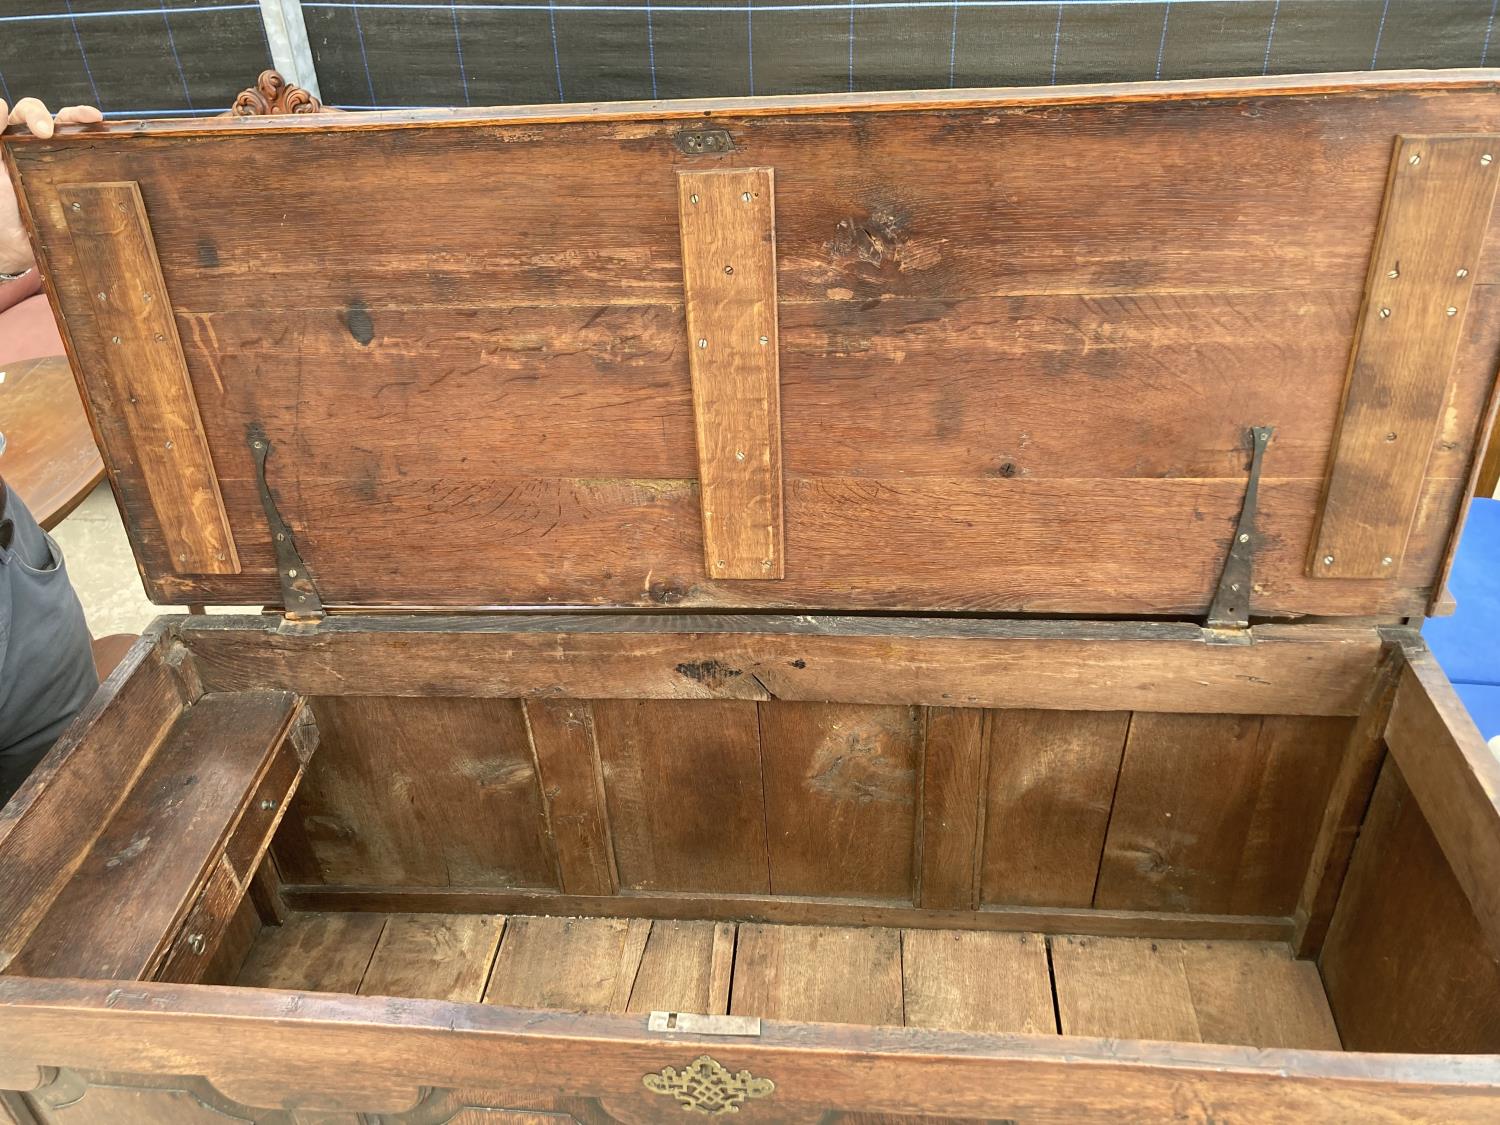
[
  {"x": 685, "y": 796},
  {"x": 390, "y": 1045},
  {"x": 317, "y": 952},
  {"x": 572, "y": 787},
  {"x": 887, "y": 246},
  {"x": 576, "y": 964},
  {"x": 955, "y": 762},
  {"x": 977, "y": 982},
  {"x": 1052, "y": 778},
  {"x": 435, "y": 956},
  {"x": 1428, "y": 243},
  {"x": 1407, "y": 964},
  {"x": 1454, "y": 777},
  {"x": 49, "y": 826},
  {"x": 1145, "y": 666},
  {"x": 425, "y": 791},
  {"x": 728, "y": 224},
  {"x": 823, "y": 974},
  {"x": 685, "y": 967},
  {"x": 123, "y": 903},
  {"x": 117, "y": 262},
  {"x": 840, "y": 797}
]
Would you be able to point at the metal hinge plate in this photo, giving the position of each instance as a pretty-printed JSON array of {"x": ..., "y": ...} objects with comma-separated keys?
[
  {"x": 692, "y": 1023},
  {"x": 1229, "y": 614},
  {"x": 299, "y": 597}
]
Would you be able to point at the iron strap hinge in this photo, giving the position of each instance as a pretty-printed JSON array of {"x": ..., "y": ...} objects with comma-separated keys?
[
  {"x": 299, "y": 597},
  {"x": 1228, "y": 619}
]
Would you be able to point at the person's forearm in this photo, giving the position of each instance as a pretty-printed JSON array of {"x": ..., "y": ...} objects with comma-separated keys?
[{"x": 15, "y": 250}]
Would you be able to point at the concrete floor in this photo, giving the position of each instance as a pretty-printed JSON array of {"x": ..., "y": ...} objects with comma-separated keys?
[{"x": 103, "y": 570}]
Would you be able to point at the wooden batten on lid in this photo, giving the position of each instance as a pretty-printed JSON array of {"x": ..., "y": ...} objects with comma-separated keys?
[{"x": 993, "y": 357}]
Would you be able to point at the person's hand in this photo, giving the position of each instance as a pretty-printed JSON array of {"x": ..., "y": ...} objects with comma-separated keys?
[{"x": 15, "y": 249}]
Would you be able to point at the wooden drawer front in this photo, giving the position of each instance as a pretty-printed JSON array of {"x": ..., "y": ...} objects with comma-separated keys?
[
  {"x": 192, "y": 949},
  {"x": 261, "y": 816}
]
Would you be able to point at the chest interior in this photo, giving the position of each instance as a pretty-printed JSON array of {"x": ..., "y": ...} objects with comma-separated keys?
[{"x": 941, "y": 569}]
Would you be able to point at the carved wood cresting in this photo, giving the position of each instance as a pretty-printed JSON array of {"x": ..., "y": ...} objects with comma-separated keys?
[{"x": 272, "y": 94}]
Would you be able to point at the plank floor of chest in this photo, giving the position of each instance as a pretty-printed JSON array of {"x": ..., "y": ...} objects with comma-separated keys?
[{"x": 1246, "y": 993}]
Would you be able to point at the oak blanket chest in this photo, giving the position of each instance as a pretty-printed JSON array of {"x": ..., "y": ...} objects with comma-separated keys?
[{"x": 867, "y": 610}]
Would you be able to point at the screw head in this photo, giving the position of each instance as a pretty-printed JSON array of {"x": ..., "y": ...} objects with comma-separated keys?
[
  {"x": 1384, "y": 313},
  {"x": 746, "y": 196},
  {"x": 702, "y": 342},
  {"x": 1393, "y": 273},
  {"x": 101, "y": 296},
  {"x": 1486, "y": 159},
  {"x": 1386, "y": 561},
  {"x": 1391, "y": 436},
  {"x": 267, "y": 805},
  {"x": 78, "y": 206},
  {"x": 291, "y": 574},
  {"x": 692, "y": 199},
  {"x": 182, "y": 557},
  {"x": 1327, "y": 560},
  {"x": 167, "y": 445},
  {"x": 1244, "y": 538},
  {"x": 1416, "y": 158},
  {"x": 720, "y": 564},
  {"x": 1451, "y": 311},
  {"x": 728, "y": 269},
  {"x": 158, "y": 337},
  {"x": 257, "y": 444},
  {"x": 739, "y": 454},
  {"x": 146, "y": 297},
  {"x": 765, "y": 340},
  {"x": 1463, "y": 273},
  {"x": 115, "y": 339}
]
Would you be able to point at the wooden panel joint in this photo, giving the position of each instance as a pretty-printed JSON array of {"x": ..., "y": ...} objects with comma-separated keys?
[
  {"x": 728, "y": 223},
  {"x": 1421, "y": 277},
  {"x": 147, "y": 372}
]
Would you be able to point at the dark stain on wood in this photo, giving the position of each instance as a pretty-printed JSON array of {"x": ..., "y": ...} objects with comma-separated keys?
[{"x": 361, "y": 324}]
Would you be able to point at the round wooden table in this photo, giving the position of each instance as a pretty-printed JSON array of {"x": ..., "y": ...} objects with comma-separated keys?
[{"x": 50, "y": 459}]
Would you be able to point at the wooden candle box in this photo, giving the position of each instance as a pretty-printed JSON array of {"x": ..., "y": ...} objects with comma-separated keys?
[{"x": 912, "y": 590}]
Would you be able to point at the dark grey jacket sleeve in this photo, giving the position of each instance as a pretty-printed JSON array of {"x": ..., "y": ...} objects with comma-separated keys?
[{"x": 46, "y": 663}]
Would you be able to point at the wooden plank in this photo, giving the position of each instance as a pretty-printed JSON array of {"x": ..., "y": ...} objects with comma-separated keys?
[
  {"x": 1406, "y": 964},
  {"x": 48, "y": 827},
  {"x": 451, "y": 796},
  {"x": 1052, "y": 778},
  {"x": 386, "y": 1047},
  {"x": 954, "y": 767},
  {"x": 1297, "y": 669},
  {"x": 889, "y": 307},
  {"x": 966, "y": 981},
  {"x": 1455, "y": 778},
  {"x": 1122, "y": 988},
  {"x": 576, "y": 964},
  {"x": 683, "y": 787},
  {"x": 796, "y": 910},
  {"x": 818, "y": 974},
  {"x": 147, "y": 372},
  {"x": 686, "y": 967},
  {"x": 572, "y": 785},
  {"x": 1422, "y": 272},
  {"x": 324, "y": 952},
  {"x": 1217, "y": 814},
  {"x": 1258, "y": 994},
  {"x": 434, "y": 956},
  {"x": 728, "y": 223},
  {"x": 840, "y": 797},
  {"x": 1250, "y": 993},
  {"x": 1300, "y": 759},
  {"x": 1348, "y": 799},
  {"x": 123, "y": 904}
]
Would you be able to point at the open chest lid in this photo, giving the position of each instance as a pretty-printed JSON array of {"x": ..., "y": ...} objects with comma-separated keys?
[{"x": 996, "y": 351}]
